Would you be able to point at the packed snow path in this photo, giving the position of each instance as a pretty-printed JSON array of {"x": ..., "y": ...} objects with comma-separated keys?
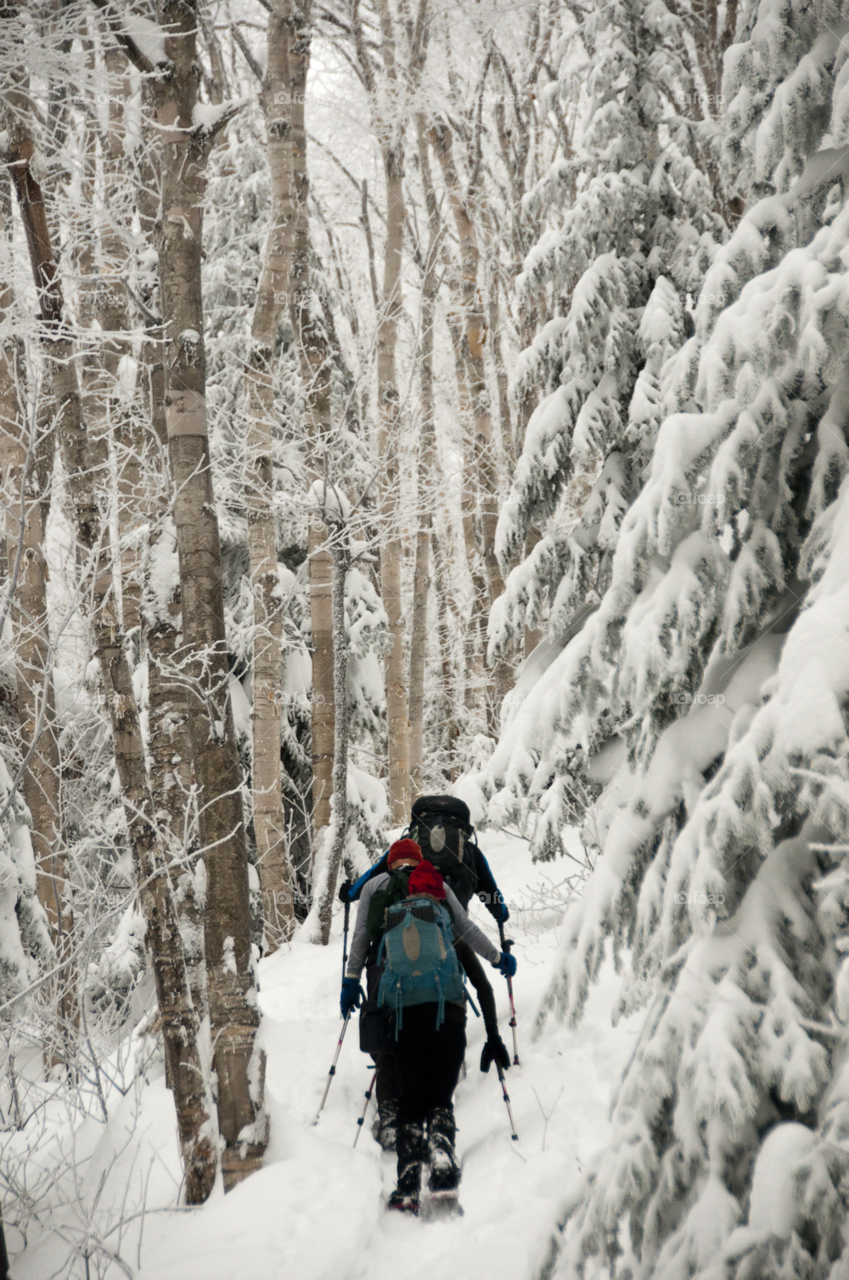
[{"x": 315, "y": 1211}]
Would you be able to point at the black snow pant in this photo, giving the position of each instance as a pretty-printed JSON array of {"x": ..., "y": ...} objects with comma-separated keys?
[
  {"x": 388, "y": 1087},
  {"x": 428, "y": 1061},
  {"x": 380, "y": 1040},
  {"x": 377, "y": 1037}
]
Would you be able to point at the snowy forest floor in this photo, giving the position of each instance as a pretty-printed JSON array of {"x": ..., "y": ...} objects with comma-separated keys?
[{"x": 315, "y": 1210}]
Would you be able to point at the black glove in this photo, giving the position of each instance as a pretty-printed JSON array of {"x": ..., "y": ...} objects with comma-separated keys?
[
  {"x": 495, "y": 1050},
  {"x": 345, "y": 891}
]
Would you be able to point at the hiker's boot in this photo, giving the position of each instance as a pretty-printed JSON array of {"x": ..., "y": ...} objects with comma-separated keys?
[
  {"x": 410, "y": 1145},
  {"x": 441, "y": 1131},
  {"x": 386, "y": 1125}
]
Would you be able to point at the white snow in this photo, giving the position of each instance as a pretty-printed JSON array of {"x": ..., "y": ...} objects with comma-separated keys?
[
  {"x": 162, "y": 577},
  {"x": 148, "y": 37},
  {"x": 329, "y": 498},
  {"x": 314, "y": 1211},
  {"x": 206, "y": 116},
  {"x": 229, "y": 955}
]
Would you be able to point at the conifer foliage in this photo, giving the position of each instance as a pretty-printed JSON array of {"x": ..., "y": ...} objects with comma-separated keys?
[
  {"x": 639, "y": 224},
  {"x": 719, "y": 653}
]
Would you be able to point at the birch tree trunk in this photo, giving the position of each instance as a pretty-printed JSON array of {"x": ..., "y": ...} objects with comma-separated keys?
[
  {"x": 389, "y": 427},
  {"x": 341, "y": 557},
  {"x": 475, "y": 334},
  {"x": 170, "y": 750},
  {"x": 169, "y": 741},
  {"x": 469, "y": 609},
  {"x": 389, "y": 110},
  {"x": 272, "y": 294},
  {"x": 452, "y": 729},
  {"x": 313, "y": 354},
  {"x": 502, "y": 379},
  {"x": 323, "y": 691},
  {"x": 179, "y": 1020},
  {"x": 127, "y": 438},
  {"x": 421, "y": 572},
  {"x": 27, "y": 466},
  {"x": 184, "y": 148}
]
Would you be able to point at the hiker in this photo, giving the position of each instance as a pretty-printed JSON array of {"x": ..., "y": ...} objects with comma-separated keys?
[
  {"x": 441, "y": 826},
  {"x": 430, "y": 1038},
  {"x": 377, "y": 1038}
]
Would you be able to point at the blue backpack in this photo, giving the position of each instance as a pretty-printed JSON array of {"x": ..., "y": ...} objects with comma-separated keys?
[{"x": 420, "y": 964}]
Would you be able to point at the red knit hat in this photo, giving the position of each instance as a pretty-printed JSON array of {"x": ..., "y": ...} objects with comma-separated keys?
[
  {"x": 403, "y": 849},
  {"x": 426, "y": 879}
]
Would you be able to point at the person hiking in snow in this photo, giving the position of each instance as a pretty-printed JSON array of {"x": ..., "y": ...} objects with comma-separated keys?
[
  {"x": 429, "y": 1005},
  {"x": 377, "y": 1037},
  {"x": 441, "y": 826}
]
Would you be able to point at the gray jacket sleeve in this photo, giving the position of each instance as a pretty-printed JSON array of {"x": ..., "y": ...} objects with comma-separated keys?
[
  {"x": 359, "y": 941},
  {"x": 464, "y": 928}
]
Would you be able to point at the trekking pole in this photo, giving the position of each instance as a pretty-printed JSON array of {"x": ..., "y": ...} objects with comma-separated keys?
[
  {"x": 500, "y": 1071},
  {"x": 506, "y": 944},
  {"x": 368, "y": 1096},
  {"x": 332, "y": 1072},
  {"x": 369, "y": 1092},
  {"x": 345, "y": 941}
]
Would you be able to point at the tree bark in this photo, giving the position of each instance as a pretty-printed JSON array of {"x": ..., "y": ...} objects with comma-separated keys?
[
  {"x": 323, "y": 691},
  {"x": 421, "y": 572},
  {"x": 272, "y": 294},
  {"x": 179, "y": 1020},
  {"x": 452, "y": 729},
  {"x": 475, "y": 335},
  {"x": 128, "y": 439},
  {"x": 468, "y": 608},
  {"x": 27, "y": 467},
  {"x": 340, "y": 553},
  {"x": 313, "y": 355},
  {"x": 389, "y": 409},
  {"x": 170, "y": 750},
  {"x": 169, "y": 741},
  {"x": 184, "y": 148}
]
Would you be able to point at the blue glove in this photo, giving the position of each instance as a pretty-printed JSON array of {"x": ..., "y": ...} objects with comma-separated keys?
[
  {"x": 503, "y": 915},
  {"x": 506, "y": 965},
  {"x": 352, "y": 995}
]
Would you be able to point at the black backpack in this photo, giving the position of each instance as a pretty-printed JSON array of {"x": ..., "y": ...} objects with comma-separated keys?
[{"x": 441, "y": 827}]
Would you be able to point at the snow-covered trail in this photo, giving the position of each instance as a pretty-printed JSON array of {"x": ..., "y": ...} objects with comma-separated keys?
[{"x": 315, "y": 1209}]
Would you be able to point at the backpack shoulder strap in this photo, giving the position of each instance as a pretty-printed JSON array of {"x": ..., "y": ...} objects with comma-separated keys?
[{"x": 387, "y": 895}]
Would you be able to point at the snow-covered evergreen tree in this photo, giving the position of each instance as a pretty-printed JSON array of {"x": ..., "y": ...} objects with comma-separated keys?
[
  {"x": 620, "y": 266},
  {"x": 719, "y": 652}
]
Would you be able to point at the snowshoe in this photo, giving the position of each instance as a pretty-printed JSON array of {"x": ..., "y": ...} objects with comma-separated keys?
[
  {"x": 444, "y": 1169},
  {"x": 441, "y": 1205},
  {"x": 411, "y": 1145},
  {"x": 403, "y": 1202}
]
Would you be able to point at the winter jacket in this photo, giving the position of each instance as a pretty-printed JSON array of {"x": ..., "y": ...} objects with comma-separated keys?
[
  {"x": 483, "y": 988},
  {"x": 487, "y": 890},
  {"x": 464, "y": 929}
]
